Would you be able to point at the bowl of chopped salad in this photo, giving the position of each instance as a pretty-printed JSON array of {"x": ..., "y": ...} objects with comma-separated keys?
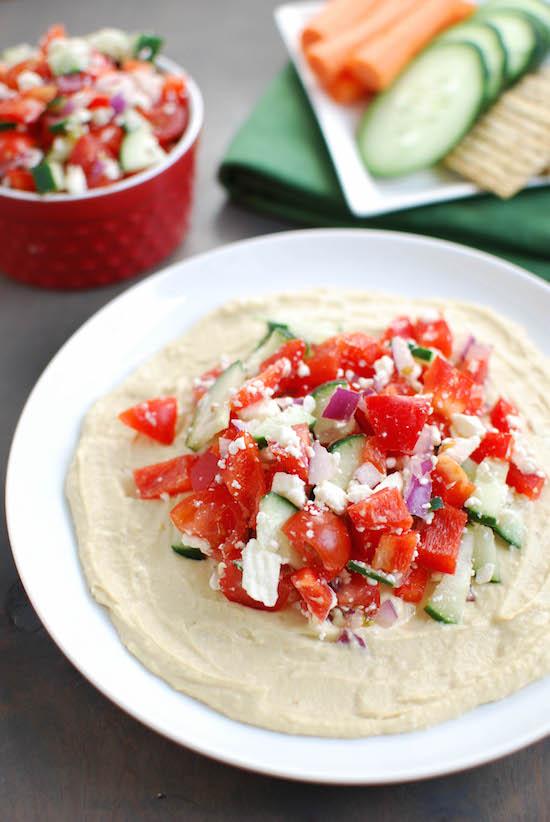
[{"x": 98, "y": 136}]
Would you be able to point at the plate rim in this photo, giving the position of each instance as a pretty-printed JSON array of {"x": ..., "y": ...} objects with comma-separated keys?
[{"x": 292, "y": 773}]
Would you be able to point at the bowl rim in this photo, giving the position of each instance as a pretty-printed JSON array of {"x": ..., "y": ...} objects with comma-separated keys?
[{"x": 185, "y": 142}]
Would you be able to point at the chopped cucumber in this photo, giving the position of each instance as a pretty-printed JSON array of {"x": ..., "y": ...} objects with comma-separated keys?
[
  {"x": 426, "y": 112},
  {"x": 48, "y": 176},
  {"x": 188, "y": 552},
  {"x": 270, "y": 428},
  {"x": 536, "y": 8},
  {"x": 356, "y": 566},
  {"x": 491, "y": 491},
  {"x": 489, "y": 41},
  {"x": 140, "y": 149},
  {"x": 115, "y": 43},
  {"x": 212, "y": 412},
  {"x": 147, "y": 46},
  {"x": 421, "y": 353},
  {"x": 469, "y": 467},
  {"x": 448, "y": 600},
  {"x": 485, "y": 552},
  {"x": 523, "y": 38},
  {"x": 69, "y": 55},
  {"x": 351, "y": 450},
  {"x": 276, "y": 336},
  {"x": 273, "y": 512},
  {"x": 511, "y": 527},
  {"x": 7, "y": 126},
  {"x": 60, "y": 126},
  {"x": 326, "y": 430},
  {"x": 436, "y": 503}
]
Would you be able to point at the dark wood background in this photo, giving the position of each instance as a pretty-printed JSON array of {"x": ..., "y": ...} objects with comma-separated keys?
[{"x": 66, "y": 753}]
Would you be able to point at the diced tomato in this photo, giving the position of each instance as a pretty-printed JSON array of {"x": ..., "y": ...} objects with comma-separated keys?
[
  {"x": 265, "y": 385},
  {"x": 374, "y": 453},
  {"x": 434, "y": 334},
  {"x": 110, "y": 137},
  {"x": 399, "y": 327},
  {"x": 450, "y": 482},
  {"x": 212, "y": 515},
  {"x": 55, "y": 32},
  {"x": 321, "y": 538},
  {"x": 243, "y": 475},
  {"x": 21, "y": 179},
  {"x": 440, "y": 540},
  {"x": 314, "y": 590},
  {"x": 294, "y": 463},
  {"x": 231, "y": 586},
  {"x": 358, "y": 352},
  {"x": 205, "y": 381},
  {"x": 358, "y": 593},
  {"x": 87, "y": 153},
  {"x": 414, "y": 586},
  {"x": 293, "y": 350},
  {"x": 174, "y": 88},
  {"x": 13, "y": 147},
  {"x": 363, "y": 543},
  {"x": 453, "y": 391},
  {"x": 395, "y": 552},
  {"x": 495, "y": 444},
  {"x": 500, "y": 414},
  {"x": 203, "y": 470},
  {"x": 169, "y": 121},
  {"x": 384, "y": 510},
  {"x": 530, "y": 485},
  {"x": 99, "y": 101},
  {"x": 38, "y": 65},
  {"x": 398, "y": 386},
  {"x": 155, "y": 418},
  {"x": 323, "y": 364},
  {"x": 397, "y": 421},
  {"x": 476, "y": 362},
  {"x": 23, "y": 110},
  {"x": 170, "y": 477}
]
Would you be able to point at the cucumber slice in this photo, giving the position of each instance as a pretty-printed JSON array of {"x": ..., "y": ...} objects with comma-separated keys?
[
  {"x": 269, "y": 429},
  {"x": 188, "y": 551},
  {"x": 115, "y": 43},
  {"x": 276, "y": 336},
  {"x": 436, "y": 503},
  {"x": 69, "y": 55},
  {"x": 48, "y": 176},
  {"x": 351, "y": 450},
  {"x": 325, "y": 430},
  {"x": 488, "y": 39},
  {"x": 428, "y": 109},
  {"x": 538, "y": 9},
  {"x": 212, "y": 412},
  {"x": 511, "y": 527},
  {"x": 469, "y": 467},
  {"x": 7, "y": 126},
  {"x": 140, "y": 149},
  {"x": 485, "y": 551},
  {"x": 358, "y": 567},
  {"x": 147, "y": 46},
  {"x": 273, "y": 512},
  {"x": 522, "y": 37},
  {"x": 448, "y": 600},
  {"x": 491, "y": 491},
  {"x": 59, "y": 127}
]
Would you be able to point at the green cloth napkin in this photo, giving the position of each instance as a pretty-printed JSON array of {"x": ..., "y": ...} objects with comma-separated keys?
[{"x": 278, "y": 164}]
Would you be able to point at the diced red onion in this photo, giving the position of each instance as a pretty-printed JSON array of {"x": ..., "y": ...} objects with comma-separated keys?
[
  {"x": 67, "y": 108},
  {"x": 419, "y": 488},
  {"x": 387, "y": 615},
  {"x": 471, "y": 595},
  {"x": 321, "y": 465},
  {"x": 368, "y": 474},
  {"x": 348, "y": 637},
  {"x": 69, "y": 83},
  {"x": 467, "y": 345},
  {"x": 203, "y": 471},
  {"x": 341, "y": 405},
  {"x": 118, "y": 103},
  {"x": 368, "y": 392},
  {"x": 298, "y": 401}
]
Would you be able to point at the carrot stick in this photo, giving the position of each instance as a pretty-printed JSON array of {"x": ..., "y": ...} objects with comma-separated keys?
[
  {"x": 347, "y": 89},
  {"x": 328, "y": 57},
  {"x": 378, "y": 62},
  {"x": 336, "y": 16}
]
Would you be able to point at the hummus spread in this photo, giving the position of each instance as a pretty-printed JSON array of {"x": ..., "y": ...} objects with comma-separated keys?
[{"x": 267, "y": 668}]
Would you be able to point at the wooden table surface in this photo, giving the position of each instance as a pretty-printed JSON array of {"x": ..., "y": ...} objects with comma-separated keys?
[{"x": 67, "y": 753}]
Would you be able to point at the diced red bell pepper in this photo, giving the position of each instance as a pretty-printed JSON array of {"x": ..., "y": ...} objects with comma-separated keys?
[
  {"x": 155, "y": 418},
  {"x": 374, "y": 453},
  {"x": 399, "y": 327},
  {"x": 170, "y": 477},
  {"x": 22, "y": 110},
  {"x": 357, "y": 592},
  {"x": 323, "y": 364},
  {"x": 395, "y": 552},
  {"x": 397, "y": 421},
  {"x": 263, "y": 386},
  {"x": 384, "y": 510},
  {"x": 530, "y": 485},
  {"x": 203, "y": 470},
  {"x": 501, "y": 411},
  {"x": 453, "y": 391},
  {"x": 414, "y": 587},
  {"x": 295, "y": 462},
  {"x": 231, "y": 584},
  {"x": 495, "y": 444},
  {"x": 434, "y": 334},
  {"x": 243, "y": 475},
  {"x": 450, "y": 482},
  {"x": 440, "y": 540},
  {"x": 358, "y": 352},
  {"x": 212, "y": 515},
  {"x": 321, "y": 538},
  {"x": 315, "y": 592}
]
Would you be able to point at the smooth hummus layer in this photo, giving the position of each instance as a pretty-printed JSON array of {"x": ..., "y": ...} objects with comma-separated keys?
[{"x": 265, "y": 668}]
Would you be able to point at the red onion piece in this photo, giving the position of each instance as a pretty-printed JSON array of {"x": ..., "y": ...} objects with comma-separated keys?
[
  {"x": 387, "y": 615},
  {"x": 67, "y": 108},
  {"x": 419, "y": 488},
  {"x": 321, "y": 465},
  {"x": 348, "y": 637},
  {"x": 368, "y": 474},
  {"x": 118, "y": 103},
  {"x": 341, "y": 405},
  {"x": 203, "y": 471},
  {"x": 467, "y": 345},
  {"x": 426, "y": 441},
  {"x": 69, "y": 83}
]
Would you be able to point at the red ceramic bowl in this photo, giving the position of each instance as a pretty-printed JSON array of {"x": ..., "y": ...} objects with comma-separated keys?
[{"x": 105, "y": 234}]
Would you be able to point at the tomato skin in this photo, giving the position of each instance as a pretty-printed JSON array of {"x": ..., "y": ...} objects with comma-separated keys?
[
  {"x": 434, "y": 334},
  {"x": 243, "y": 475},
  {"x": 231, "y": 586},
  {"x": 21, "y": 179},
  {"x": 323, "y": 366},
  {"x": 174, "y": 88},
  {"x": 384, "y": 510},
  {"x": 450, "y": 482},
  {"x": 155, "y": 418},
  {"x": 397, "y": 420},
  {"x": 440, "y": 540},
  {"x": 453, "y": 391},
  {"x": 317, "y": 595},
  {"x": 321, "y": 538},
  {"x": 212, "y": 515},
  {"x": 496, "y": 444},
  {"x": 414, "y": 587},
  {"x": 399, "y": 327},
  {"x": 291, "y": 463},
  {"x": 500, "y": 413},
  {"x": 171, "y": 477},
  {"x": 85, "y": 152},
  {"x": 169, "y": 121},
  {"x": 530, "y": 485},
  {"x": 358, "y": 593},
  {"x": 395, "y": 552}
]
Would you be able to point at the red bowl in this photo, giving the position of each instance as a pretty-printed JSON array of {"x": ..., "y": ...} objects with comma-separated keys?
[{"x": 106, "y": 234}]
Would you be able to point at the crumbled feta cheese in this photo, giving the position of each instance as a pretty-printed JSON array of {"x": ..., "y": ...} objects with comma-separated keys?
[
  {"x": 102, "y": 115},
  {"x": 191, "y": 541},
  {"x": 75, "y": 180},
  {"x": 391, "y": 462},
  {"x": 394, "y": 480},
  {"x": 261, "y": 570},
  {"x": 309, "y": 404},
  {"x": 364, "y": 382},
  {"x": 27, "y": 80},
  {"x": 459, "y": 449},
  {"x": 522, "y": 458},
  {"x": 236, "y": 445},
  {"x": 368, "y": 474},
  {"x": 303, "y": 369},
  {"x": 358, "y": 492},
  {"x": 331, "y": 495},
  {"x": 404, "y": 360},
  {"x": 286, "y": 437},
  {"x": 290, "y": 487},
  {"x": 428, "y": 439},
  {"x": 383, "y": 368},
  {"x": 68, "y": 54},
  {"x": 465, "y": 425}
]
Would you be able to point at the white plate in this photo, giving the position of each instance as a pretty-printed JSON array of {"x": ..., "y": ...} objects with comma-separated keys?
[
  {"x": 112, "y": 344},
  {"x": 365, "y": 195}
]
